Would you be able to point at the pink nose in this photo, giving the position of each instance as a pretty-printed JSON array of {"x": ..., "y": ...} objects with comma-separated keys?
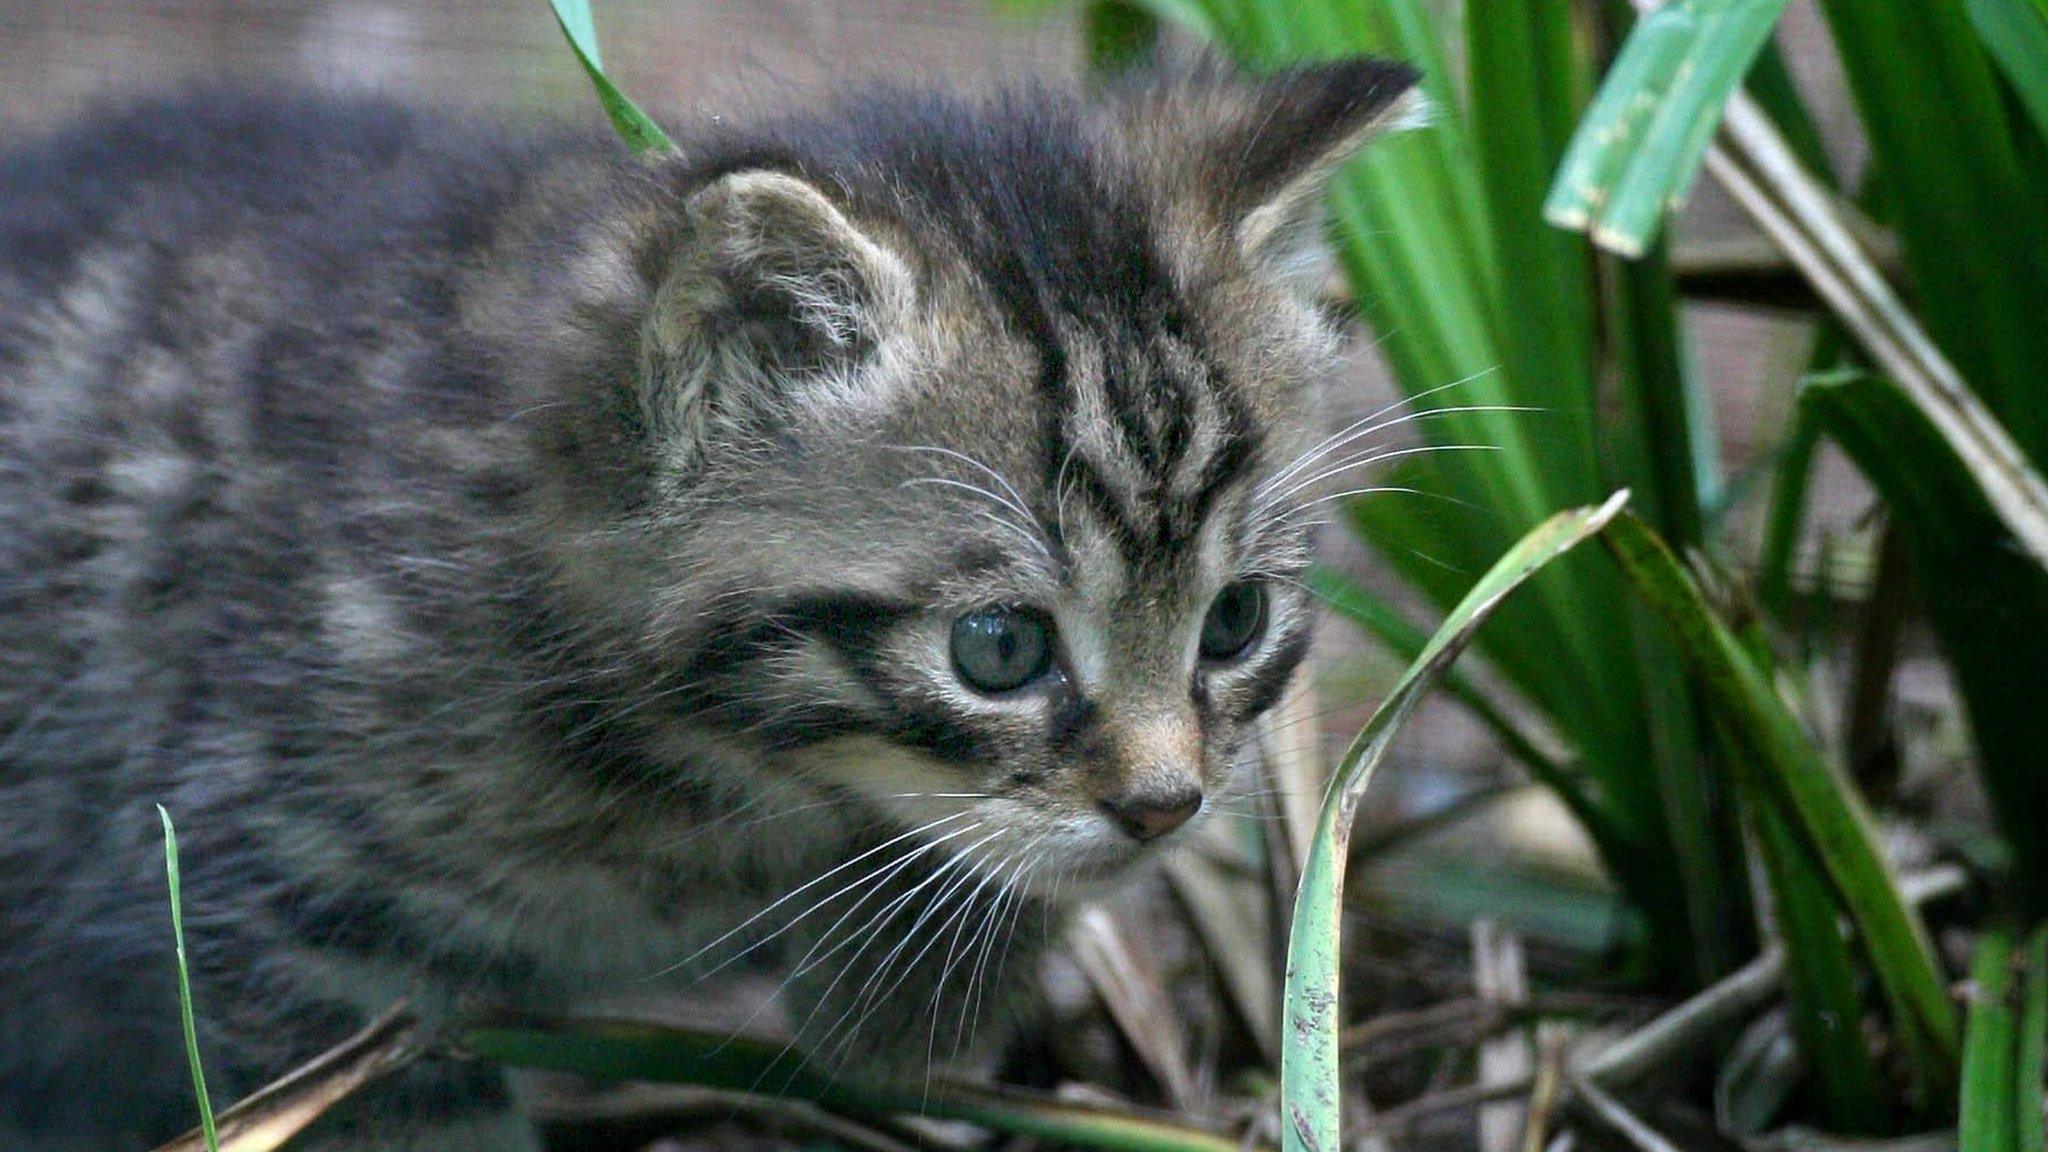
[{"x": 1148, "y": 816}]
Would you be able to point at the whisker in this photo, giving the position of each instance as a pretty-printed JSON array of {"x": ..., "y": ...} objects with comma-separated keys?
[
  {"x": 1014, "y": 895},
  {"x": 1375, "y": 458},
  {"x": 946, "y": 973},
  {"x": 871, "y": 931},
  {"x": 874, "y": 883},
  {"x": 1323, "y": 446},
  {"x": 806, "y": 886},
  {"x": 1029, "y": 534},
  {"x": 1356, "y": 433},
  {"x": 1016, "y": 502},
  {"x": 872, "y": 994}
]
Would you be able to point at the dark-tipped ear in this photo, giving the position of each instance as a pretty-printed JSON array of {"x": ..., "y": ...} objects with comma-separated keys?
[
  {"x": 773, "y": 286},
  {"x": 1260, "y": 149},
  {"x": 1315, "y": 117}
]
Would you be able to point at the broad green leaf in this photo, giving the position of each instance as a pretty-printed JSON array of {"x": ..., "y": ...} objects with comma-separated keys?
[
  {"x": 619, "y": 1050},
  {"x": 1990, "y": 1094},
  {"x": 1311, "y": 1102},
  {"x": 206, "y": 1125},
  {"x": 1817, "y": 804},
  {"x": 1636, "y": 153},
  {"x": 2016, "y": 32},
  {"x": 635, "y": 127}
]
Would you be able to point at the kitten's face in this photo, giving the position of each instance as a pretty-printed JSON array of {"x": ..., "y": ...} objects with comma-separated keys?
[
  {"x": 978, "y": 432},
  {"x": 1039, "y": 620}
]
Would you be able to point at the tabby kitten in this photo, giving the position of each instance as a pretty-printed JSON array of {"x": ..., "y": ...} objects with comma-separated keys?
[{"x": 525, "y": 570}]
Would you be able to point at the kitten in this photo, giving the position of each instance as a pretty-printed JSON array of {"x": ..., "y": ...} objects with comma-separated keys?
[{"x": 524, "y": 570}]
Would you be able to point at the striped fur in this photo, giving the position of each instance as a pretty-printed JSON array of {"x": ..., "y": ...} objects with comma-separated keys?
[{"x": 525, "y": 571}]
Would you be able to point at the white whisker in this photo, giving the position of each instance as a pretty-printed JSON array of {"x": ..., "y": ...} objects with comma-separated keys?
[
  {"x": 1377, "y": 458},
  {"x": 1322, "y": 447},
  {"x": 806, "y": 886}
]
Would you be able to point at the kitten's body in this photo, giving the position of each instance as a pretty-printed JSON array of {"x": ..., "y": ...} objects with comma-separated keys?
[{"x": 516, "y": 565}]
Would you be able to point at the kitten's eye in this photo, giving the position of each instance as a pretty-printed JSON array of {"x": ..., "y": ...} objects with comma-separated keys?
[
  {"x": 1234, "y": 621},
  {"x": 996, "y": 649}
]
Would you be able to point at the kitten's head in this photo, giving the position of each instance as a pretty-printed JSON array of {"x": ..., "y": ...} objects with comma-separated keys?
[{"x": 963, "y": 439}]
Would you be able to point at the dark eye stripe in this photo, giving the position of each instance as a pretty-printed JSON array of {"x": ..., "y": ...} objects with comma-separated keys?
[{"x": 1261, "y": 688}]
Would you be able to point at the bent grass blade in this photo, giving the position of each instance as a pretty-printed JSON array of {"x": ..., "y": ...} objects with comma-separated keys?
[{"x": 1310, "y": 1097}]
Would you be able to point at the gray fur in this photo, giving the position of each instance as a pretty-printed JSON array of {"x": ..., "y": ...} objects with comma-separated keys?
[{"x": 524, "y": 570}]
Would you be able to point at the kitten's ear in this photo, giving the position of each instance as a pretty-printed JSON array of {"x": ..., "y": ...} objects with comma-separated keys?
[
  {"x": 1261, "y": 148},
  {"x": 773, "y": 288}
]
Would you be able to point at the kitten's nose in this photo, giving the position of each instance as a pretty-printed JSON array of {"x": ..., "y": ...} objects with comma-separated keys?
[{"x": 1150, "y": 815}]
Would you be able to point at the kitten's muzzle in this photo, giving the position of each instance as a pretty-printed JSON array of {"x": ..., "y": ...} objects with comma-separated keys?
[{"x": 1146, "y": 816}]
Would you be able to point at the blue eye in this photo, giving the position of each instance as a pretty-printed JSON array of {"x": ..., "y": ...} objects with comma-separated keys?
[
  {"x": 1236, "y": 618},
  {"x": 997, "y": 649}
]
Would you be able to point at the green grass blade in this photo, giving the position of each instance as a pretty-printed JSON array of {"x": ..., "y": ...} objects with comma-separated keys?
[
  {"x": 1639, "y": 149},
  {"x": 1524, "y": 75},
  {"x": 1820, "y": 975},
  {"x": 1785, "y": 520},
  {"x": 1987, "y": 600},
  {"x": 1652, "y": 446},
  {"x": 2016, "y": 33},
  {"x": 2033, "y": 1056},
  {"x": 635, "y": 127},
  {"x": 1816, "y": 801},
  {"x": 1616, "y": 121},
  {"x": 206, "y": 1125},
  {"x": 1310, "y": 1095},
  {"x": 1971, "y": 226},
  {"x": 617, "y": 1050},
  {"x": 1193, "y": 15},
  {"x": 1118, "y": 34},
  {"x": 1657, "y": 445},
  {"x": 1416, "y": 221},
  {"x": 1990, "y": 1097},
  {"x": 1358, "y": 605},
  {"x": 1662, "y": 169}
]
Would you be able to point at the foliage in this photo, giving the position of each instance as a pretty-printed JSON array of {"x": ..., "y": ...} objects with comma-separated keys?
[{"x": 1691, "y": 745}]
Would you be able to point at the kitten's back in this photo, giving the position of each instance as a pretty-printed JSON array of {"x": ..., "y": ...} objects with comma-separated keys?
[{"x": 226, "y": 321}]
